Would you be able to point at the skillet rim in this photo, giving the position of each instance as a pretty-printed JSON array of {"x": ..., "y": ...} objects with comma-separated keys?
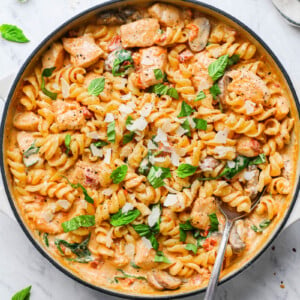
[{"x": 54, "y": 262}]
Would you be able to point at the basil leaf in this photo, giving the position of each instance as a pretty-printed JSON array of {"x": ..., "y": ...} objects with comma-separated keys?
[
  {"x": 186, "y": 125},
  {"x": 200, "y": 124},
  {"x": 96, "y": 86},
  {"x": 120, "y": 219},
  {"x": 241, "y": 162},
  {"x": 142, "y": 229},
  {"x": 47, "y": 73},
  {"x": 172, "y": 92},
  {"x": 191, "y": 247},
  {"x": 128, "y": 121},
  {"x": 232, "y": 60},
  {"x": 132, "y": 263},
  {"x": 214, "y": 222},
  {"x": 45, "y": 239},
  {"x": 217, "y": 68},
  {"x": 13, "y": 33},
  {"x": 87, "y": 198},
  {"x": 145, "y": 165},
  {"x": 100, "y": 144},
  {"x": 125, "y": 275},
  {"x": 119, "y": 68},
  {"x": 185, "y": 170},
  {"x": 201, "y": 95},
  {"x": 153, "y": 241},
  {"x": 260, "y": 159},
  {"x": 215, "y": 91},
  {"x": 67, "y": 143},
  {"x": 186, "y": 110},
  {"x": 183, "y": 227},
  {"x": 128, "y": 138},
  {"x": 79, "y": 249},
  {"x": 157, "y": 175},
  {"x": 31, "y": 150},
  {"x": 161, "y": 89},
  {"x": 158, "y": 74},
  {"x": 119, "y": 174},
  {"x": 111, "y": 132},
  {"x": 23, "y": 294},
  {"x": 160, "y": 257},
  {"x": 79, "y": 221},
  {"x": 201, "y": 239},
  {"x": 262, "y": 225},
  {"x": 82, "y": 260}
]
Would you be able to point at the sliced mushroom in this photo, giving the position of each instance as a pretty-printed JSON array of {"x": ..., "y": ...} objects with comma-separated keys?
[
  {"x": 198, "y": 36},
  {"x": 235, "y": 240},
  {"x": 161, "y": 280},
  {"x": 223, "y": 84},
  {"x": 252, "y": 184}
]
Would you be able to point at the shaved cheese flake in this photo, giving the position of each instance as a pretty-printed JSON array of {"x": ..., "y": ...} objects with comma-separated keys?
[
  {"x": 181, "y": 131},
  {"x": 127, "y": 207},
  {"x": 107, "y": 156},
  {"x": 107, "y": 192},
  {"x": 96, "y": 151},
  {"x": 180, "y": 200},
  {"x": 188, "y": 160},
  {"x": 93, "y": 135},
  {"x": 167, "y": 126},
  {"x": 222, "y": 151},
  {"x": 161, "y": 137},
  {"x": 126, "y": 109},
  {"x": 249, "y": 106},
  {"x": 191, "y": 121},
  {"x": 138, "y": 124},
  {"x": 158, "y": 173},
  {"x": 65, "y": 204},
  {"x": 151, "y": 145},
  {"x": 152, "y": 160},
  {"x": 159, "y": 159},
  {"x": 231, "y": 164},
  {"x": 170, "y": 200},
  {"x": 65, "y": 88},
  {"x": 248, "y": 175},
  {"x": 146, "y": 110},
  {"x": 179, "y": 120},
  {"x": 154, "y": 216},
  {"x": 109, "y": 118},
  {"x": 126, "y": 97},
  {"x": 129, "y": 250},
  {"x": 221, "y": 136},
  {"x": 146, "y": 242},
  {"x": 175, "y": 158}
]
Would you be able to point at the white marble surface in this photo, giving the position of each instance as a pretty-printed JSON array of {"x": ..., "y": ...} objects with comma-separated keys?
[{"x": 22, "y": 265}]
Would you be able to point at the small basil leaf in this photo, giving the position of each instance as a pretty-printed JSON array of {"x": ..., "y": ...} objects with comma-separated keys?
[
  {"x": 217, "y": 68},
  {"x": 260, "y": 159},
  {"x": 186, "y": 110},
  {"x": 23, "y": 294},
  {"x": 142, "y": 229},
  {"x": 100, "y": 144},
  {"x": 157, "y": 175},
  {"x": 232, "y": 60},
  {"x": 158, "y": 74},
  {"x": 183, "y": 227},
  {"x": 87, "y": 198},
  {"x": 13, "y": 33},
  {"x": 201, "y": 124},
  {"x": 191, "y": 247},
  {"x": 67, "y": 143},
  {"x": 128, "y": 137},
  {"x": 160, "y": 257},
  {"x": 78, "y": 221},
  {"x": 185, "y": 170},
  {"x": 241, "y": 162},
  {"x": 172, "y": 92},
  {"x": 264, "y": 224},
  {"x": 119, "y": 68},
  {"x": 214, "y": 222},
  {"x": 82, "y": 260},
  {"x": 119, "y": 174},
  {"x": 47, "y": 73},
  {"x": 161, "y": 89},
  {"x": 120, "y": 219},
  {"x": 45, "y": 239},
  {"x": 31, "y": 150},
  {"x": 215, "y": 91},
  {"x": 132, "y": 263},
  {"x": 186, "y": 125},
  {"x": 153, "y": 241},
  {"x": 128, "y": 121},
  {"x": 96, "y": 86},
  {"x": 201, "y": 95},
  {"x": 125, "y": 275},
  {"x": 111, "y": 132}
]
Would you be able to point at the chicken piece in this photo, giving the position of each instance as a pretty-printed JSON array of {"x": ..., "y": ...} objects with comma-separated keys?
[
  {"x": 235, "y": 240},
  {"x": 28, "y": 121},
  {"x": 54, "y": 57},
  {"x": 140, "y": 33},
  {"x": 248, "y": 146},
  {"x": 208, "y": 164},
  {"x": 166, "y": 14},
  {"x": 85, "y": 173},
  {"x": 161, "y": 280},
  {"x": 25, "y": 140},
  {"x": 282, "y": 108},
  {"x": 151, "y": 59},
  {"x": 198, "y": 34},
  {"x": 251, "y": 188},
  {"x": 248, "y": 86},
  {"x": 185, "y": 55},
  {"x": 144, "y": 256},
  {"x": 200, "y": 78},
  {"x": 201, "y": 209},
  {"x": 84, "y": 51}
]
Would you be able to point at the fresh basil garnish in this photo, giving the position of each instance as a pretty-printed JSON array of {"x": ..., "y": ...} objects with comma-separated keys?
[
  {"x": 217, "y": 68},
  {"x": 100, "y": 144},
  {"x": 214, "y": 222},
  {"x": 232, "y": 60},
  {"x": 215, "y": 91},
  {"x": 186, "y": 110},
  {"x": 145, "y": 165},
  {"x": 160, "y": 257},
  {"x": 128, "y": 121},
  {"x": 158, "y": 74},
  {"x": 125, "y": 275},
  {"x": 132, "y": 263},
  {"x": 261, "y": 226},
  {"x": 122, "y": 63},
  {"x": 78, "y": 221},
  {"x": 161, "y": 89},
  {"x": 13, "y": 33},
  {"x": 111, "y": 132},
  {"x": 119, "y": 174},
  {"x": 67, "y": 143},
  {"x": 23, "y": 294},
  {"x": 120, "y": 219},
  {"x": 183, "y": 227},
  {"x": 47, "y": 73},
  {"x": 87, "y": 198},
  {"x": 96, "y": 86},
  {"x": 128, "y": 137},
  {"x": 157, "y": 175},
  {"x": 148, "y": 232},
  {"x": 82, "y": 260},
  {"x": 45, "y": 239},
  {"x": 186, "y": 125},
  {"x": 185, "y": 170},
  {"x": 201, "y": 124},
  {"x": 31, "y": 150},
  {"x": 260, "y": 159},
  {"x": 201, "y": 95},
  {"x": 191, "y": 247}
]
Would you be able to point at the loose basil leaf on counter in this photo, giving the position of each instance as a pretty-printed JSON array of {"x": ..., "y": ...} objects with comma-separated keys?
[
  {"x": 125, "y": 275},
  {"x": 160, "y": 257},
  {"x": 128, "y": 137},
  {"x": 214, "y": 222},
  {"x": 201, "y": 95},
  {"x": 161, "y": 89},
  {"x": 185, "y": 170},
  {"x": 13, "y": 33},
  {"x": 96, "y": 86},
  {"x": 119, "y": 174},
  {"x": 260, "y": 159},
  {"x": 78, "y": 221},
  {"x": 111, "y": 132},
  {"x": 183, "y": 227},
  {"x": 215, "y": 91},
  {"x": 217, "y": 68},
  {"x": 100, "y": 144},
  {"x": 186, "y": 110},
  {"x": 132, "y": 263},
  {"x": 232, "y": 60},
  {"x": 158, "y": 74},
  {"x": 191, "y": 247},
  {"x": 45, "y": 239},
  {"x": 201, "y": 124},
  {"x": 119, "y": 68},
  {"x": 262, "y": 225},
  {"x": 79, "y": 249},
  {"x": 157, "y": 175},
  {"x": 23, "y": 294},
  {"x": 186, "y": 125},
  {"x": 120, "y": 219},
  {"x": 47, "y": 73},
  {"x": 67, "y": 143}
]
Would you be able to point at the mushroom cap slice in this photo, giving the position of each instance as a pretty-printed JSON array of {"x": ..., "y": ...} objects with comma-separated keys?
[{"x": 199, "y": 42}]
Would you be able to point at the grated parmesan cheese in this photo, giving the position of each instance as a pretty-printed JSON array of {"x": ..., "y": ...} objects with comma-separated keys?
[
  {"x": 107, "y": 192},
  {"x": 221, "y": 136},
  {"x": 126, "y": 109},
  {"x": 146, "y": 242},
  {"x": 222, "y": 151},
  {"x": 161, "y": 137},
  {"x": 154, "y": 216},
  {"x": 126, "y": 97},
  {"x": 107, "y": 156},
  {"x": 158, "y": 173},
  {"x": 170, "y": 200},
  {"x": 96, "y": 151},
  {"x": 231, "y": 164},
  {"x": 146, "y": 110},
  {"x": 151, "y": 145},
  {"x": 109, "y": 118},
  {"x": 138, "y": 124},
  {"x": 175, "y": 158},
  {"x": 127, "y": 207},
  {"x": 248, "y": 175},
  {"x": 181, "y": 131}
]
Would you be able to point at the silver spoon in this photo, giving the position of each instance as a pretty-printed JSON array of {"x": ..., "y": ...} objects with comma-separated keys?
[{"x": 231, "y": 215}]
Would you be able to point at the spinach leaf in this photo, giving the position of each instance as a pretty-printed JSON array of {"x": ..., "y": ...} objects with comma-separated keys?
[
  {"x": 186, "y": 110},
  {"x": 217, "y": 68},
  {"x": 201, "y": 124},
  {"x": 119, "y": 174},
  {"x": 215, "y": 91},
  {"x": 201, "y": 95},
  {"x": 186, "y": 125},
  {"x": 78, "y": 221},
  {"x": 158, "y": 74},
  {"x": 214, "y": 222},
  {"x": 67, "y": 143},
  {"x": 122, "y": 63},
  {"x": 160, "y": 257},
  {"x": 125, "y": 275},
  {"x": 157, "y": 175},
  {"x": 191, "y": 247},
  {"x": 264, "y": 224},
  {"x": 185, "y": 170},
  {"x": 120, "y": 219},
  {"x": 45, "y": 239},
  {"x": 23, "y": 294},
  {"x": 13, "y": 33},
  {"x": 111, "y": 132},
  {"x": 47, "y": 73},
  {"x": 96, "y": 86}
]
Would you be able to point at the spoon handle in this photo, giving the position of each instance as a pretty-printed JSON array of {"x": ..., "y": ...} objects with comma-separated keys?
[{"x": 211, "y": 288}]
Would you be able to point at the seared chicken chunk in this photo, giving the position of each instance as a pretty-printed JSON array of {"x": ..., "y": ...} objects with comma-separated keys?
[
  {"x": 248, "y": 147},
  {"x": 26, "y": 121},
  {"x": 54, "y": 57},
  {"x": 166, "y": 14},
  {"x": 144, "y": 256}
]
